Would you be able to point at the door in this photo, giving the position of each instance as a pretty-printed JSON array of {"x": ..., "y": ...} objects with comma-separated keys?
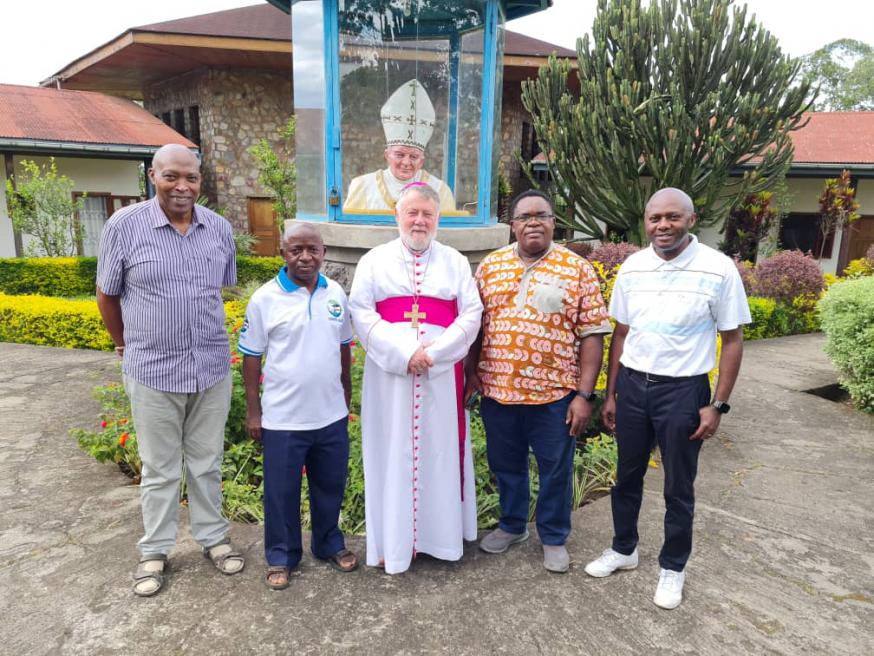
[
  {"x": 262, "y": 224},
  {"x": 861, "y": 237}
]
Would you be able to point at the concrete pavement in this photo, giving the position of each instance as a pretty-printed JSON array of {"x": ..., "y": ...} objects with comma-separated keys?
[{"x": 783, "y": 560}]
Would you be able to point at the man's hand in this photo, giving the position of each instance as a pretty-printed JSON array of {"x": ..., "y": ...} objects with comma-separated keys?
[
  {"x": 420, "y": 362},
  {"x": 579, "y": 413},
  {"x": 472, "y": 385},
  {"x": 608, "y": 412},
  {"x": 710, "y": 418},
  {"x": 253, "y": 425}
]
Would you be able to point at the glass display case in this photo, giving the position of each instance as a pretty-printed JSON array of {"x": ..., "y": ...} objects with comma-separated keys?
[{"x": 387, "y": 92}]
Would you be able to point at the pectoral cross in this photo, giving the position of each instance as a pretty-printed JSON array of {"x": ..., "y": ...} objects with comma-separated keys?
[{"x": 414, "y": 315}]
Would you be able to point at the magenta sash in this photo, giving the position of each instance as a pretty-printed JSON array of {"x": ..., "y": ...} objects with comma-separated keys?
[{"x": 439, "y": 312}]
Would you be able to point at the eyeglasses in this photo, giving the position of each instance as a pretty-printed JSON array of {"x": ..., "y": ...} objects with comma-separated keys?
[{"x": 540, "y": 217}]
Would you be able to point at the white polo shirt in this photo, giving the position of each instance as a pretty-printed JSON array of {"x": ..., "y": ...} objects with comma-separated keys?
[
  {"x": 673, "y": 309},
  {"x": 301, "y": 334}
]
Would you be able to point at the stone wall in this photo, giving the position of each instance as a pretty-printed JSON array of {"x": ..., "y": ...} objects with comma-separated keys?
[
  {"x": 513, "y": 118},
  {"x": 237, "y": 108}
]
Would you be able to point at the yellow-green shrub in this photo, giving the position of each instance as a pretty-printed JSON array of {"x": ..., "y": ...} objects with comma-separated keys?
[{"x": 52, "y": 322}]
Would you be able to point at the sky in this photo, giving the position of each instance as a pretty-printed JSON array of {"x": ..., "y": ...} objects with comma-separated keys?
[{"x": 39, "y": 38}]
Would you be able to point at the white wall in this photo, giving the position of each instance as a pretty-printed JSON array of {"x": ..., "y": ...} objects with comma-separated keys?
[
  {"x": 116, "y": 177},
  {"x": 7, "y": 238}
]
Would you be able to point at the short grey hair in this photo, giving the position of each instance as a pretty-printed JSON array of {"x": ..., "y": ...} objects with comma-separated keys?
[{"x": 421, "y": 188}]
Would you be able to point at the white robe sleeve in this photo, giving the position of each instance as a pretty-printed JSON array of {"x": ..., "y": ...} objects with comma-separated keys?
[
  {"x": 389, "y": 345},
  {"x": 453, "y": 344}
]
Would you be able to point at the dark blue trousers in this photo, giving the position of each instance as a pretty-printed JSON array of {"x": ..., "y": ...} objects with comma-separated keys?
[
  {"x": 325, "y": 452},
  {"x": 510, "y": 431},
  {"x": 665, "y": 413}
]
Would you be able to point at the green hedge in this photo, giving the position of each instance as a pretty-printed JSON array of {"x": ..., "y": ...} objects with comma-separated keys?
[
  {"x": 75, "y": 276},
  {"x": 846, "y": 314},
  {"x": 48, "y": 276}
]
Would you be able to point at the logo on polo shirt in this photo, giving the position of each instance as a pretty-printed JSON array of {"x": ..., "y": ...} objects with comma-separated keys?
[
  {"x": 335, "y": 309},
  {"x": 245, "y": 326}
]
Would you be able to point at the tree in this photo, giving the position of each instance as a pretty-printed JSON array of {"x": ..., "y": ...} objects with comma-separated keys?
[
  {"x": 41, "y": 205},
  {"x": 837, "y": 207},
  {"x": 844, "y": 72},
  {"x": 277, "y": 171},
  {"x": 679, "y": 93},
  {"x": 747, "y": 224}
]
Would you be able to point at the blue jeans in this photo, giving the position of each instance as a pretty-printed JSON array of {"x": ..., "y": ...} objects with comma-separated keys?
[
  {"x": 510, "y": 431},
  {"x": 325, "y": 452},
  {"x": 665, "y": 413}
]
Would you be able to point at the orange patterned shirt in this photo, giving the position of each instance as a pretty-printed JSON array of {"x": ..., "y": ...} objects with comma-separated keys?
[{"x": 535, "y": 317}]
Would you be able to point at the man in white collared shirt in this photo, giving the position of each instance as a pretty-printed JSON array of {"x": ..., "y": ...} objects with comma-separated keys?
[
  {"x": 300, "y": 323},
  {"x": 669, "y": 301}
]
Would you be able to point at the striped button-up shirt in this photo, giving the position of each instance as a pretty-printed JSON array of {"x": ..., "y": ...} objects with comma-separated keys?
[{"x": 170, "y": 287}]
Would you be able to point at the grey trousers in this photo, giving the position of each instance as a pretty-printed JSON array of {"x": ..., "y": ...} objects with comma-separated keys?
[{"x": 175, "y": 429}]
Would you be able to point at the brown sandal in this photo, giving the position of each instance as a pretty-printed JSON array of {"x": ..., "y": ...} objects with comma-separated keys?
[
  {"x": 277, "y": 577},
  {"x": 336, "y": 561}
]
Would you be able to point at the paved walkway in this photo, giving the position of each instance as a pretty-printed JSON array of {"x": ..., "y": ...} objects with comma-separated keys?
[{"x": 783, "y": 562}]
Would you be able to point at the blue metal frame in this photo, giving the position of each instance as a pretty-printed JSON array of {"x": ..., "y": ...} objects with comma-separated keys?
[
  {"x": 486, "y": 137},
  {"x": 452, "y": 127},
  {"x": 333, "y": 151}
]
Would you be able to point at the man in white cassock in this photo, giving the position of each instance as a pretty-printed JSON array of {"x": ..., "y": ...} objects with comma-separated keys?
[
  {"x": 416, "y": 311},
  {"x": 408, "y": 121}
]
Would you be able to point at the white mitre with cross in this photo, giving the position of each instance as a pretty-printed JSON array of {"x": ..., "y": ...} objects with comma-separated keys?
[{"x": 408, "y": 116}]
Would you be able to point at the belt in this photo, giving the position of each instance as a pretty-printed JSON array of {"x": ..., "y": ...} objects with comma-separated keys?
[{"x": 656, "y": 378}]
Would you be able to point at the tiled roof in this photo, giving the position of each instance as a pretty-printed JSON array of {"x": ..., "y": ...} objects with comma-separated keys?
[
  {"x": 265, "y": 21},
  {"x": 835, "y": 138},
  {"x": 255, "y": 22},
  {"x": 79, "y": 117},
  {"x": 829, "y": 138}
]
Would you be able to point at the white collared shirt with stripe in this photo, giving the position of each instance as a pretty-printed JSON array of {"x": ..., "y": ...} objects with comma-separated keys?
[
  {"x": 300, "y": 334},
  {"x": 673, "y": 308}
]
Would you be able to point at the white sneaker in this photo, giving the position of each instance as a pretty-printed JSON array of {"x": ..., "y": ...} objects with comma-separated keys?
[
  {"x": 609, "y": 561},
  {"x": 669, "y": 592}
]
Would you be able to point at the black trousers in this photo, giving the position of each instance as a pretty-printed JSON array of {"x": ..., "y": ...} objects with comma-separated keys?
[{"x": 666, "y": 413}]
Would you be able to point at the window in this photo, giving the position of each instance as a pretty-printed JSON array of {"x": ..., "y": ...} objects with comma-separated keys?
[
  {"x": 801, "y": 231},
  {"x": 165, "y": 117},
  {"x": 96, "y": 209},
  {"x": 178, "y": 123},
  {"x": 194, "y": 124}
]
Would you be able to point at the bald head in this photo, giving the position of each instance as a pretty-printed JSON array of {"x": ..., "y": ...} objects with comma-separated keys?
[
  {"x": 303, "y": 251},
  {"x": 669, "y": 216},
  {"x": 677, "y": 195},
  {"x": 299, "y": 230},
  {"x": 174, "y": 152},
  {"x": 175, "y": 174}
]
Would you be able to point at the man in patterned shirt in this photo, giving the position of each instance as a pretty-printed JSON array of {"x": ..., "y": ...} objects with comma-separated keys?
[{"x": 536, "y": 364}]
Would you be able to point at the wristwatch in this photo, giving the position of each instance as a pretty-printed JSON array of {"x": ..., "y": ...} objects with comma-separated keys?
[
  {"x": 588, "y": 396},
  {"x": 721, "y": 406}
]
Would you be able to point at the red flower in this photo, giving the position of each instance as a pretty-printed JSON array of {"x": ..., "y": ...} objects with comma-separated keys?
[
  {"x": 303, "y": 472},
  {"x": 122, "y": 439},
  {"x": 103, "y": 424},
  {"x": 261, "y": 380},
  {"x": 353, "y": 418},
  {"x": 235, "y": 359}
]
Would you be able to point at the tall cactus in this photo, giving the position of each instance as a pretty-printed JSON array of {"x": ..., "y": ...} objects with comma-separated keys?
[{"x": 679, "y": 93}]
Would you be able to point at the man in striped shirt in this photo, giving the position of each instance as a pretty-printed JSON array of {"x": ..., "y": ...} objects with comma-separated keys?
[{"x": 161, "y": 266}]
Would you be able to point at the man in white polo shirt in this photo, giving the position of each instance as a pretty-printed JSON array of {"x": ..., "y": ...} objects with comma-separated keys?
[
  {"x": 669, "y": 301},
  {"x": 299, "y": 320}
]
